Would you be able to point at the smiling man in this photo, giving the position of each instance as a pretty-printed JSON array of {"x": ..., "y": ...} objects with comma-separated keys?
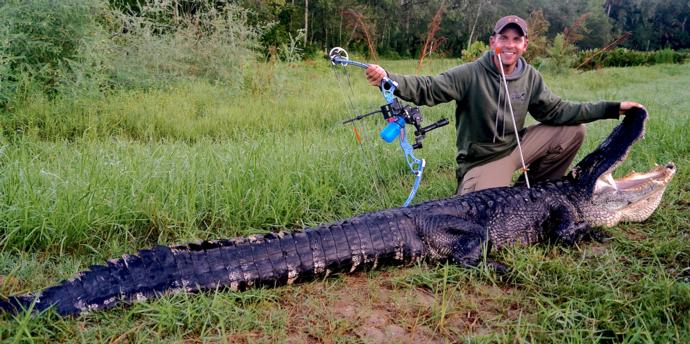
[{"x": 487, "y": 147}]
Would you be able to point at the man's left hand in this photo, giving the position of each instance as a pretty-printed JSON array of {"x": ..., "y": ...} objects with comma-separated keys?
[{"x": 625, "y": 106}]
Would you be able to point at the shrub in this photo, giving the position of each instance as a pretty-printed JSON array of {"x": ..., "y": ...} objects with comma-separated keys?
[
  {"x": 621, "y": 57},
  {"x": 538, "y": 28},
  {"x": 475, "y": 51},
  {"x": 663, "y": 56},
  {"x": 85, "y": 47},
  {"x": 40, "y": 40},
  {"x": 291, "y": 51},
  {"x": 213, "y": 43},
  {"x": 560, "y": 56}
]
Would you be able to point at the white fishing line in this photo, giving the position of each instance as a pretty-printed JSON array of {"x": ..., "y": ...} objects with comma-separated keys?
[{"x": 512, "y": 114}]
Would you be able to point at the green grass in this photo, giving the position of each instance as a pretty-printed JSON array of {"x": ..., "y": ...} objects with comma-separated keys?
[{"x": 83, "y": 180}]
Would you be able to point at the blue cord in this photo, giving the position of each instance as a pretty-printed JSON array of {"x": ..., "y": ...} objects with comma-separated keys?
[{"x": 416, "y": 165}]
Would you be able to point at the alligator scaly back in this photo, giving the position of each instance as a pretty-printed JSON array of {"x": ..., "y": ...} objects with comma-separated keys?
[
  {"x": 612, "y": 151},
  {"x": 261, "y": 260}
]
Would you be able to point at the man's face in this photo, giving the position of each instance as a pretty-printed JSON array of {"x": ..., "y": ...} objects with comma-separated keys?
[{"x": 511, "y": 43}]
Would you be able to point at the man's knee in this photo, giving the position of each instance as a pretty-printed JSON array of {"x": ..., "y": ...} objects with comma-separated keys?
[
  {"x": 494, "y": 174},
  {"x": 569, "y": 138},
  {"x": 466, "y": 185}
]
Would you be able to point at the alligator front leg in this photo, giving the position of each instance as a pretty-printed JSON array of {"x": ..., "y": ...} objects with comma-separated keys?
[
  {"x": 566, "y": 230},
  {"x": 454, "y": 238}
]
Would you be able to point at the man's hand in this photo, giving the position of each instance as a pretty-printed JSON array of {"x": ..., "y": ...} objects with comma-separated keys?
[
  {"x": 625, "y": 106},
  {"x": 375, "y": 74}
]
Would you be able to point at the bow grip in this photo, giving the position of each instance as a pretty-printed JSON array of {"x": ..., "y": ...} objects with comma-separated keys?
[{"x": 388, "y": 87}]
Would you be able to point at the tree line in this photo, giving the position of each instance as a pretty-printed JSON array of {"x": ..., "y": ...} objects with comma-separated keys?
[
  {"x": 92, "y": 47},
  {"x": 401, "y": 27}
]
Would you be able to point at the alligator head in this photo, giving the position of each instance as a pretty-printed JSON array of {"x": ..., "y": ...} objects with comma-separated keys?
[
  {"x": 632, "y": 198},
  {"x": 605, "y": 201}
]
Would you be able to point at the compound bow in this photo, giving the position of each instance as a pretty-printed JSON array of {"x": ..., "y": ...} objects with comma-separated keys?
[{"x": 397, "y": 116}]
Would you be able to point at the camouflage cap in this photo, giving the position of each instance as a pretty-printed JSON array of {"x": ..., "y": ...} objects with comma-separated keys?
[{"x": 511, "y": 20}]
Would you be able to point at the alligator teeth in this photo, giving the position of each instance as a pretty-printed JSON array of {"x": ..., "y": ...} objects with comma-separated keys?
[
  {"x": 612, "y": 182},
  {"x": 356, "y": 260},
  {"x": 292, "y": 275}
]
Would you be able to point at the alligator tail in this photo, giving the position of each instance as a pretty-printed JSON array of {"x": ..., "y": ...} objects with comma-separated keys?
[
  {"x": 612, "y": 151},
  {"x": 261, "y": 260}
]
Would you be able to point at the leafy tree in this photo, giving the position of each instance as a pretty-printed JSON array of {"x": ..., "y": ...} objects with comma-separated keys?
[
  {"x": 538, "y": 27},
  {"x": 654, "y": 24},
  {"x": 399, "y": 27}
]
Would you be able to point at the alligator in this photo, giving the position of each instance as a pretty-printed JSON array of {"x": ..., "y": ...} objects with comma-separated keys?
[{"x": 461, "y": 230}]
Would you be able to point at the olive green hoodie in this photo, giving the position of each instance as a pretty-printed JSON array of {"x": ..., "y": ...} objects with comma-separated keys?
[{"x": 482, "y": 121}]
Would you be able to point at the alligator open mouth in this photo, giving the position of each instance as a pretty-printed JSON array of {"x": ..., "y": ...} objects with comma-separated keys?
[
  {"x": 635, "y": 182},
  {"x": 633, "y": 197}
]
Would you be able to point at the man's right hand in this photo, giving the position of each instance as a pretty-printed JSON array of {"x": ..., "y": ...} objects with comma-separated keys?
[
  {"x": 627, "y": 105},
  {"x": 375, "y": 74}
]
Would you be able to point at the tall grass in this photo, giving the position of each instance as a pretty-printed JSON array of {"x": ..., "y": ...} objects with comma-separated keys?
[
  {"x": 85, "y": 179},
  {"x": 80, "y": 48},
  {"x": 58, "y": 194},
  {"x": 155, "y": 47},
  {"x": 41, "y": 42},
  {"x": 199, "y": 143}
]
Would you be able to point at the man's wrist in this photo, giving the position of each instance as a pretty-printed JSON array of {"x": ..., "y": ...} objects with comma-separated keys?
[{"x": 613, "y": 110}]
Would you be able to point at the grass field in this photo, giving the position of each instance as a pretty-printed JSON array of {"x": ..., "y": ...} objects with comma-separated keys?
[{"x": 83, "y": 180}]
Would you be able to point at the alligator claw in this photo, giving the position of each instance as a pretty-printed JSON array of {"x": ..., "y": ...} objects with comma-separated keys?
[
  {"x": 599, "y": 236},
  {"x": 500, "y": 269}
]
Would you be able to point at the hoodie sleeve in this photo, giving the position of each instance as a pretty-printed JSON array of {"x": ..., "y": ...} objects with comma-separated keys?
[
  {"x": 428, "y": 90},
  {"x": 548, "y": 108}
]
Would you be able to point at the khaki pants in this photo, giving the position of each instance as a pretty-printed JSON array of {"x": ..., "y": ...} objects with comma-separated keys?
[{"x": 548, "y": 152}]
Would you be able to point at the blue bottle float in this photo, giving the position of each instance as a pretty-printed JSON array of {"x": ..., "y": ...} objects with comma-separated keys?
[{"x": 392, "y": 130}]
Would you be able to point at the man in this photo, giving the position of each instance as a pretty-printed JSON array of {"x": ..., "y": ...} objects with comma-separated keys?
[{"x": 487, "y": 147}]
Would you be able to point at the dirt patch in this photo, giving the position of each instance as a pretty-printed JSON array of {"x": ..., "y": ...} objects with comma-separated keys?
[
  {"x": 358, "y": 308},
  {"x": 485, "y": 309},
  {"x": 236, "y": 338},
  {"x": 594, "y": 250}
]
